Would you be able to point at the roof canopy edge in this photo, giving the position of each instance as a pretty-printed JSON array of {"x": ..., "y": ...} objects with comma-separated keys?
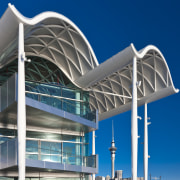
[{"x": 74, "y": 56}]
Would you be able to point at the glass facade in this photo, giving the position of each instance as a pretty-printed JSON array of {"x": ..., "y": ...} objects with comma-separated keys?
[
  {"x": 61, "y": 148},
  {"x": 32, "y": 149},
  {"x": 68, "y": 152},
  {"x": 44, "y": 82},
  {"x": 50, "y": 151},
  {"x": 50, "y": 178},
  {"x": 74, "y": 101}
]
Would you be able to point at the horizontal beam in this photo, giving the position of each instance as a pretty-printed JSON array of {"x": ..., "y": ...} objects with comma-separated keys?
[
  {"x": 47, "y": 130},
  {"x": 57, "y": 97},
  {"x": 112, "y": 94}
]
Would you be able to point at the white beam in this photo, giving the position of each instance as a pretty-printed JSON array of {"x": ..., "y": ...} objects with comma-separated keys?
[
  {"x": 145, "y": 142},
  {"x": 57, "y": 97},
  {"x": 112, "y": 94},
  {"x": 134, "y": 123},
  {"x": 21, "y": 114},
  {"x": 93, "y": 142},
  {"x": 93, "y": 149}
]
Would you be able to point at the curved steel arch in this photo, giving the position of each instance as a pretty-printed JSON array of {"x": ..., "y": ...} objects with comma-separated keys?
[
  {"x": 152, "y": 71},
  {"x": 51, "y": 36},
  {"x": 55, "y": 38}
]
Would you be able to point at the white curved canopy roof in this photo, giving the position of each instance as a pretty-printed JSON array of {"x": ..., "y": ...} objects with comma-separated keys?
[
  {"x": 152, "y": 71},
  {"x": 55, "y": 38},
  {"x": 48, "y": 35}
]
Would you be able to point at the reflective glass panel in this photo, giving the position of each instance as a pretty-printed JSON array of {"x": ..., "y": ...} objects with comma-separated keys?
[{"x": 32, "y": 146}]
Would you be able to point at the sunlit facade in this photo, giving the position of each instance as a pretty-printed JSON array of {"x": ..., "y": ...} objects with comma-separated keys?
[{"x": 65, "y": 141}]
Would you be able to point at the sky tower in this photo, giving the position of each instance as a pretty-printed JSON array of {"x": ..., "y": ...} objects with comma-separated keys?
[{"x": 112, "y": 149}]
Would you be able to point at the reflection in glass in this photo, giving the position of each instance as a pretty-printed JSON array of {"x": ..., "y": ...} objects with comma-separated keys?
[{"x": 72, "y": 100}]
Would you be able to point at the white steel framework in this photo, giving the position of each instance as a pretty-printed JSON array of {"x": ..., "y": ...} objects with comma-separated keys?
[{"x": 55, "y": 38}]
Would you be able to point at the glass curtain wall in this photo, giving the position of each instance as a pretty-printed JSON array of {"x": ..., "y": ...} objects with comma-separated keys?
[
  {"x": 61, "y": 148},
  {"x": 46, "y": 83},
  {"x": 72, "y": 100},
  {"x": 50, "y": 178}
]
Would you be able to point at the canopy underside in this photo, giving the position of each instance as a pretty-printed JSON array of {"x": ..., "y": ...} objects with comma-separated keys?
[{"x": 55, "y": 38}]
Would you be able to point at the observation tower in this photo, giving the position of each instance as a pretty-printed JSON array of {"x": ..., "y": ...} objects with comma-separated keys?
[{"x": 112, "y": 149}]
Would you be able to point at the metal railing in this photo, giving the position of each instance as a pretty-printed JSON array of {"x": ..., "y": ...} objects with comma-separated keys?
[
  {"x": 8, "y": 156},
  {"x": 62, "y": 157},
  {"x": 62, "y": 98},
  {"x": 74, "y": 101}
]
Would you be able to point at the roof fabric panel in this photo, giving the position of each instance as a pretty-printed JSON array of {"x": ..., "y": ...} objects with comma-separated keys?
[
  {"x": 152, "y": 72},
  {"x": 54, "y": 37}
]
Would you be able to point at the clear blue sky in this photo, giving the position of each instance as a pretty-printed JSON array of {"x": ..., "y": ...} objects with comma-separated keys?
[{"x": 110, "y": 26}]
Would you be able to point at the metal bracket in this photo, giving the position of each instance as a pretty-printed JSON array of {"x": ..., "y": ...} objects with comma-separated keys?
[
  {"x": 24, "y": 58},
  {"x": 138, "y": 83}
]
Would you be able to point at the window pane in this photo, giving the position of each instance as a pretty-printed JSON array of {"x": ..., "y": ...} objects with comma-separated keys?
[
  {"x": 32, "y": 146},
  {"x": 32, "y": 156},
  {"x": 51, "y": 158},
  {"x": 72, "y": 153},
  {"x": 50, "y": 148}
]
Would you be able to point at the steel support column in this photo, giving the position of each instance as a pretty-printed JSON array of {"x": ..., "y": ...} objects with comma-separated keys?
[
  {"x": 146, "y": 156},
  {"x": 21, "y": 111},
  {"x": 93, "y": 149},
  {"x": 134, "y": 123}
]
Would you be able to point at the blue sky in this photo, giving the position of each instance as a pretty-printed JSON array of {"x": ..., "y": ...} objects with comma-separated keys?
[{"x": 111, "y": 26}]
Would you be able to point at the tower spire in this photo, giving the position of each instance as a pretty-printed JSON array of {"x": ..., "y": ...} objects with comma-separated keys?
[
  {"x": 112, "y": 149},
  {"x": 112, "y": 131}
]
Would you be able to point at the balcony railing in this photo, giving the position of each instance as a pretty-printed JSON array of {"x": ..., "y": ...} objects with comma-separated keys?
[
  {"x": 64, "y": 158},
  {"x": 8, "y": 156},
  {"x": 64, "y": 105},
  {"x": 74, "y": 101}
]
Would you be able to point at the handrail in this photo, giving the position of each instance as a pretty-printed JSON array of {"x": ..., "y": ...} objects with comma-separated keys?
[
  {"x": 64, "y": 157},
  {"x": 57, "y": 97},
  {"x": 45, "y": 94},
  {"x": 50, "y": 155}
]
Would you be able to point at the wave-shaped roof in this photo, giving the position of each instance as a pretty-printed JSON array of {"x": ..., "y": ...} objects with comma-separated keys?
[
  {"x": 54, "y": 37},
  {"x": 48, "y": 35}
]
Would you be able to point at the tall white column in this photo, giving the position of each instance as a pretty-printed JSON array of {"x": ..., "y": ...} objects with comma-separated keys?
[
  {"x": 134, "y": 123},
  {"x": 93, "y": 149},
  {"x": 93, "y": 143},
  {"x": 146, "y": 156},
  {"x": 21, "y": 114}
]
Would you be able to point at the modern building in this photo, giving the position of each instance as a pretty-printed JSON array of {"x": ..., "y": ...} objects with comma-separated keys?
[
  {"x": 100, "y": 178},
  {"x": 53, "y": 93},
  {"x": 119, "y": 176}
]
